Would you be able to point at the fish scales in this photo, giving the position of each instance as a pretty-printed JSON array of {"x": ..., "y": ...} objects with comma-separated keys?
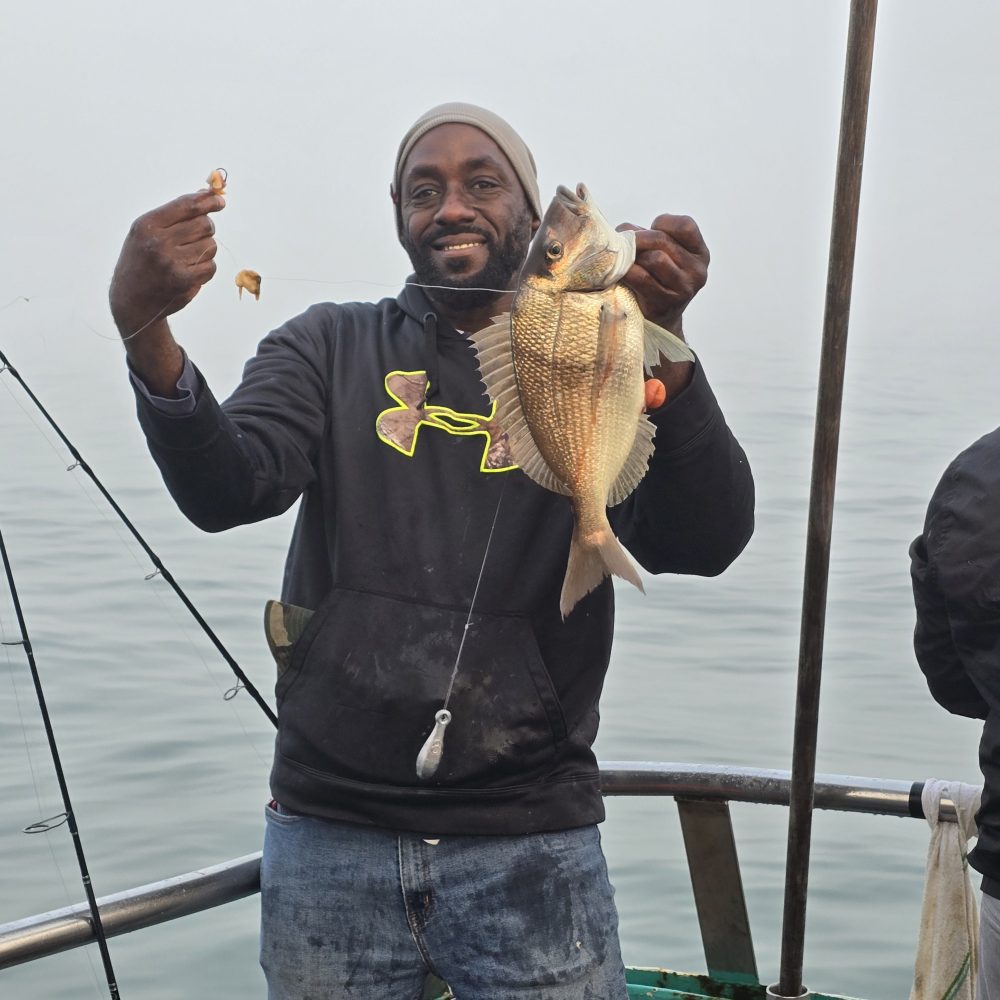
[
  {"x": 565, "y": 369},
  {"x": 582, "y": 409}
]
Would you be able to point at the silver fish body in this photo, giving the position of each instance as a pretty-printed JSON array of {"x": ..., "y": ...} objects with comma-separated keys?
[{"x": 566, "y": 371}]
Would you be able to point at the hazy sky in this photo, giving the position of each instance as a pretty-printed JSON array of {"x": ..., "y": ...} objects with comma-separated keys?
[{"x": 727, "y": 111}]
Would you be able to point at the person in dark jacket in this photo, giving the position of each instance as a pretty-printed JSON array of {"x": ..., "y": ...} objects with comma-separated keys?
[
  {"x": 955, "y": 569},
  {"x": 432, "y": 568}
]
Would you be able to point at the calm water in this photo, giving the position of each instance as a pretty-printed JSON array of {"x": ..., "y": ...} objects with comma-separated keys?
[{"x": 167, "y": 776}]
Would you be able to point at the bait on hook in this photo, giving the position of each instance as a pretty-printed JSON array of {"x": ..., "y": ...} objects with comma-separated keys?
[{"x": 217, "y": 179}]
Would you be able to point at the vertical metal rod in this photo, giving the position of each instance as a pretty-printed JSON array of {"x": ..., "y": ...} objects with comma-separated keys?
[{"x": 850, "y": 157}]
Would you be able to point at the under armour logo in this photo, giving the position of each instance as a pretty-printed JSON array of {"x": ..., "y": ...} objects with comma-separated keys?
[{"x": 399, "y": 426}]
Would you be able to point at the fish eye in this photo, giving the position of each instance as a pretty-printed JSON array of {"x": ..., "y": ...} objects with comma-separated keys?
[{"x": 554, "y": 250}]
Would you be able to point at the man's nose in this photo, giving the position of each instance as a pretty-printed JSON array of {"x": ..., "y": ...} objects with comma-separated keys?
[{"x": 456, "y": 206}]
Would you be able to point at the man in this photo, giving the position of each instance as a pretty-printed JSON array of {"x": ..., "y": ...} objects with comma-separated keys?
[
  {"x": 955, "y": 570},
  {"x": 489, "y": 872}
]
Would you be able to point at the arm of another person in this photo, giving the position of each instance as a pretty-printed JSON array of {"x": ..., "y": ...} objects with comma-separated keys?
[
  {"x": 945, "y": 605},
  {"x": 223, "y": 465},
  {"x": 693, "y": 511}
]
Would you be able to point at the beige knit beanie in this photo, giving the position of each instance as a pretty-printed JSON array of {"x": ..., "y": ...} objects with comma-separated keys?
[{"x": 493, "y": 125}]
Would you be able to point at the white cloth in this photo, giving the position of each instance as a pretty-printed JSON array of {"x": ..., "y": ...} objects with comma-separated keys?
[{"x": 947, "y": 952}]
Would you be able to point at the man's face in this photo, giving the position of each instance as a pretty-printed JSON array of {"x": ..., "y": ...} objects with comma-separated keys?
[{"x": 466, "y": 220}]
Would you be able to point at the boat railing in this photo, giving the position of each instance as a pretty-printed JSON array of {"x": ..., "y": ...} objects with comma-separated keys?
[{"x": 702, "y": 791}]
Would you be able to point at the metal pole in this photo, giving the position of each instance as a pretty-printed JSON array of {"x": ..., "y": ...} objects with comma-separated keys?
[
  {"x": 847, "y": 195},
  {"x": 149, "y": 905}
]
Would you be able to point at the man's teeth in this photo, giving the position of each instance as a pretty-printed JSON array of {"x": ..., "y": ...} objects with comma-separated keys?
[{"x": 461, "y": 246}]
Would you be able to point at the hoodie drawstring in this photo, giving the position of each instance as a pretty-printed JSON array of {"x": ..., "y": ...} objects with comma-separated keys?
[{"x": 430, "y": 355}]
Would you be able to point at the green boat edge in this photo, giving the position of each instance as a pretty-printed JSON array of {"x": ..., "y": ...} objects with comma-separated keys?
[{"x": 662, "y": 984}]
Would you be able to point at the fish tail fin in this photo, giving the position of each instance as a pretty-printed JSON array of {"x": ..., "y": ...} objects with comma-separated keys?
[{"x": 592, "y": 557}]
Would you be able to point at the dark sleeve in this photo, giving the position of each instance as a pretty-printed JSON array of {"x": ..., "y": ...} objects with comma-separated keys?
[
  {"x": 693, "y": 511},
  {"x": 251, "y": 457},
  {"x": 955, "y": 623},
  {"x": 949, "y": 684}
]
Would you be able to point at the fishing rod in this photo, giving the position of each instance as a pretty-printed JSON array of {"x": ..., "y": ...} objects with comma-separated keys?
[
  {"x": 43, "y": 826},
  {"x": 843, "y": 241},
  {"x": 242, "y": 679}
]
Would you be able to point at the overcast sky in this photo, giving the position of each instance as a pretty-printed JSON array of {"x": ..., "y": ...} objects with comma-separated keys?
[{"x": 727, "y": 111}]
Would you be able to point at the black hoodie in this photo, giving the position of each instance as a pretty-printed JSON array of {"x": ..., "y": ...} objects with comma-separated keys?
[
  {"x": 955, "y": 569},
  {"x": 399, "y": 495}
]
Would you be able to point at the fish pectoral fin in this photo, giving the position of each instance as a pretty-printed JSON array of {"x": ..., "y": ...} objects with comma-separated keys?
[
  {"x": 658, "y": 342},
  {"x": 635, "y": 466},
  {"x": 496, "y": 368},
  {"x": 611, "y": 332}
]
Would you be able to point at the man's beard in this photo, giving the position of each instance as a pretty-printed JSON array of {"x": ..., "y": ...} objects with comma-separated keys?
[{"x": 459, "y": 292}]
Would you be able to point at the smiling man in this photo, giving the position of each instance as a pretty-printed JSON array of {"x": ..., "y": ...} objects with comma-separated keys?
[
  {"x": 488, "y": 872},
  {"x": 464, "y": 215}
]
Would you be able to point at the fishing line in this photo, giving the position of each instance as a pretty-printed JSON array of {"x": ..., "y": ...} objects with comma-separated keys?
[
  {"x": 430, "y": 753},
  {"x": 393, "y": 284},
  {"x": 148, "y": 323},
  {"x": 114, "y": 525},
  {"x": 315, "y": 281},
  {"x": 95, "y": 913},
  {"x": 154, "y": 558},
  {"x": 34, "y": 776}
]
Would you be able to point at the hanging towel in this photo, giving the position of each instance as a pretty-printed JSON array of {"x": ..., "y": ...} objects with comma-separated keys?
[{"x": 947, "y": 953}]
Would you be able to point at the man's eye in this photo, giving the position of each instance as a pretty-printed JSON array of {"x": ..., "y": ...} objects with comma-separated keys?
[
  {"x": 484, "y": 184},
  {"x": 422, "y": 194}
]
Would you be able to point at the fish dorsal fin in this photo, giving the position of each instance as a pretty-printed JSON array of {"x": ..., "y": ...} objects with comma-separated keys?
[
  {"x": 657, "y": 341},
  {"x": 636, "y": 464},
  {"x": 496, "y": 368}
]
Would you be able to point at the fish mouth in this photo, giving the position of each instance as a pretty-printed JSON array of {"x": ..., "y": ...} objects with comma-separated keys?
[{"x": 577, "y": 202}]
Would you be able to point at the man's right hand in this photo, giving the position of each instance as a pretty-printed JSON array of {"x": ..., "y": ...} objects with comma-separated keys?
[{"x": 168, "y": 255}]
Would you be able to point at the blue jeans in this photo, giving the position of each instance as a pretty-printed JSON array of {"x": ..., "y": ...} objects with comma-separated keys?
[
  {"x": 988, "y": 980},
  {"x": 358, "y": 913}
]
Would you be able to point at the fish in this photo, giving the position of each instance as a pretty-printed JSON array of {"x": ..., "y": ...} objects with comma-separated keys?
[{"x": 565, "y": 368}]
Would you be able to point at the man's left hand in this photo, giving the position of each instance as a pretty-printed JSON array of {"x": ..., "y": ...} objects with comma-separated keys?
[{"x": 671, "y": 266}]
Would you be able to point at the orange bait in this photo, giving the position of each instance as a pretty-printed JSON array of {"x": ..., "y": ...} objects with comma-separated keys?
[
  {"x": 656, "y": 394},
  {"x": 250, "y": 280},
  {"x": 217, "y": 180}
]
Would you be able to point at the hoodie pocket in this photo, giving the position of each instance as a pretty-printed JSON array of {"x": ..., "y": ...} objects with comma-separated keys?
[{"x": 369, "y": 673}]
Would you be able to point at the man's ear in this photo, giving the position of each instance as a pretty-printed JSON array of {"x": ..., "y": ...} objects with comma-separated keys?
[{"x": 535, "y": 223}]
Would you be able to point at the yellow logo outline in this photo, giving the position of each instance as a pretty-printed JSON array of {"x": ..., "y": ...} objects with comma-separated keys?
[{"x": 399, "y": 426}]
